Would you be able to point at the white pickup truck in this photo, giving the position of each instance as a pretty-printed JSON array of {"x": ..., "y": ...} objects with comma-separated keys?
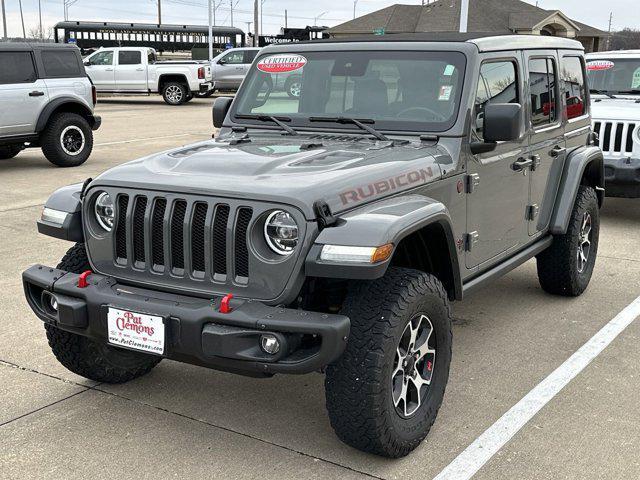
[{"x": 137, "y": 70}]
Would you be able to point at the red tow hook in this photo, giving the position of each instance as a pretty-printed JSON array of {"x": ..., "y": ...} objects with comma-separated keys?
[
  {"x": 82, "y": 280},
  {"x": 224, "y": 303}
]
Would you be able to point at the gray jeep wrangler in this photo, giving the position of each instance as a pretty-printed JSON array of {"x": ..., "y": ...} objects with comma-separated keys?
[{"x": 330, "y": 231}]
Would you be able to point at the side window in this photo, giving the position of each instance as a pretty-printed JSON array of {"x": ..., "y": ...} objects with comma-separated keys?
[
  {"x": 498, "y": 83},
  {"x": 250, "y": 55},
  {"x": 542, "y": 87},
  {"x": 151, "y": 58},
  {"x": 234, "y": 58},
  {"x": 576, "y": 90},
  {"x": 103, "y": 58},
  {"x": 129, "y": 57},
  {"x": 17, "y": 67},
  {"x": 61, "y": 63}
]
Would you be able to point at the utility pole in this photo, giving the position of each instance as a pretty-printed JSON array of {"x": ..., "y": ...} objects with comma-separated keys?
[
  {"x": 40, "y": 19},
  {"x": 231, "y": 3},
  {"x": 256, "y": 28},
  {"x": 159, "y": 12},
  {"x": 609, "y": 37},
  {"x": 355, "y": 2},
  {"x": 285, "y": 19},
  {"x": 464, "y": 15},
  {"x": 261, "y": 9},
  {"x": 4, "y": 21},
  {"x": 24, "y": 32},
  {"x": 210, "y": 40}
]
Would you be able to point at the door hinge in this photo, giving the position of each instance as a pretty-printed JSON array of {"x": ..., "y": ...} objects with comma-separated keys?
[
  {"x": 472, "y": 181},
  {"x": 535, "y": 162},
  {"x": 470, "y": 240},
  {"x": 532, "y": 212}
]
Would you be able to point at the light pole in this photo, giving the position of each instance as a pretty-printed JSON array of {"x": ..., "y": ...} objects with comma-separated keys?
[
  {"x": 355, "y": 2},
  {"x": 315, "y": 20},
  {"x": 210, "y": 33},
  {"x": 40, "y": 19},
  {"x": 4, "y": 20},
  {"x": 464, "y": 15},
  {"x": 24, "y": 32},
  {"x": 256, "y": 28},
  {"x": 261, "y": 8}
]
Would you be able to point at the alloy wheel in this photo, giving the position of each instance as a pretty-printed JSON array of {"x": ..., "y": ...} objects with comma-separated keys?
[{"x": 584, "y": 242}]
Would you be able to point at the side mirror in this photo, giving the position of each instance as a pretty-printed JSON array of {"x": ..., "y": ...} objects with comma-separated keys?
[
  {"x": 87, "y": 63},
  {"x": 222, "y": 62},
  {"x": 502, "y": 122},
  {"x": 220, "y": 109}
]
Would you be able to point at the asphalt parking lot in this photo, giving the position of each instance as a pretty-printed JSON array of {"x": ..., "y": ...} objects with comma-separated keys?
[{"x": 182, "y": 421}]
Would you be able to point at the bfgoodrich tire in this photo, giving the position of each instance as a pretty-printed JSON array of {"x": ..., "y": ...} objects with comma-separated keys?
[
  {"x": 67, "y": 140},
  {"x": 385, "y": 391},
  {"x": 90, "y": 359},
  {"x": 565, "y": 268}
]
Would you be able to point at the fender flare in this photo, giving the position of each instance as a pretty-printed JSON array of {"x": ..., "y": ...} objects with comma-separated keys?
[
  {"x": 52, "y": 106},
  {"x": 66, "y": 199},
  {"x": 175, "y": 75},
  {"x": 582, "y": 160},
  {"x": 387, "y": 221}
]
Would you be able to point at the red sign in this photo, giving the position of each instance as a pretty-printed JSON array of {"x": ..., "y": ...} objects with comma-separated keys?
[
  {"x": 281, "y": 63},
  {"x": 596, "y": 65}
]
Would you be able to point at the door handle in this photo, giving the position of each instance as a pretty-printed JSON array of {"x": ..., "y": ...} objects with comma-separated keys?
[
  {"x": 36, "y": 93},
  {"x": 108, "y": 69},
  {"x": 557, "y": 151},
  {"x": 139, "y": 69},
  {"x": 521, "y": 164}
]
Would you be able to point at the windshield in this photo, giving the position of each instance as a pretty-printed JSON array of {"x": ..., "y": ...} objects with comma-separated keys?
[
  {"x": 417, "y": 91},
  {"x": 615, "y": 75}
]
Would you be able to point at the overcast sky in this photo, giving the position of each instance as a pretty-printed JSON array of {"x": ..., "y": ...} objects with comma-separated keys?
[{"x": 301, "y": 12}]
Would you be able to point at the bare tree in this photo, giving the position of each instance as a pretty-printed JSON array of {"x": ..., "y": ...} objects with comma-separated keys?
[
  {"x": 34, "y": 33},
  {"x": 626, "y": 39}
]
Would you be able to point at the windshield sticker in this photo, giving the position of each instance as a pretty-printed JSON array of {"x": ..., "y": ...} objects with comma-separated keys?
[
  {"x": 597, "y": 65},
  {"x": 282, "y": 63},
  {"x": 635, "y": 83},
  {"x": 445, "y": 93},
  {"x": 448, "y": 70}
]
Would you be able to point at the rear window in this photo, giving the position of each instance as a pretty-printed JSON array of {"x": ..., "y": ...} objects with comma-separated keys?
[
  {"x": 61, "y": 63},
  {"x": 126, "y": 57},
  {"x": 16, "y": 67}
]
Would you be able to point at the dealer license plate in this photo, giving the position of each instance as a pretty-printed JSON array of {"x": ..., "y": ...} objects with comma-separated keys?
[{"x": 136, "y": 330}]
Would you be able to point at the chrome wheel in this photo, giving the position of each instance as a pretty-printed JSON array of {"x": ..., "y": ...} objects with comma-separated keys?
[
  {"x": 413, "y": 366},
  {"x": 173, "y": 93},
  {"x": 294, "y": 89},
  {"x": 72, "y": 140},
  {"x": 584, "y": 242}
]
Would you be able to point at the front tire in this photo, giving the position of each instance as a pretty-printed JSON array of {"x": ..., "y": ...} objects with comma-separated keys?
[
  {"x": 384, "y": 393},
  {"x": 565, "y": 268},
  {"x": 67, "y": 140},
  {"x": 174, "y": 93},
  {"x": 90, "y": 359}
]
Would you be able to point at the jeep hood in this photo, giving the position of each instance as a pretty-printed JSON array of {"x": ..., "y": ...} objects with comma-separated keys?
[
  {"x": 622, "y": 108},
  {"x": 344, "y": 172}
]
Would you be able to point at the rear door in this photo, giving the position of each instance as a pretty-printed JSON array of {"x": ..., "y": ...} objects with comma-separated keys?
[
  {"x": 131, "y": 72},
  {"x": 498, "y": 194},
  {"x": 100, "y": 68},
  {"x": 546, "y": 135},
  {"x": 22, "y": 94}
]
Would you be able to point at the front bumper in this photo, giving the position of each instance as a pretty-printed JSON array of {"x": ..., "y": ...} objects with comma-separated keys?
[
  {"x": 622, "y": 177},
  {"x": 196, "y": 332}
]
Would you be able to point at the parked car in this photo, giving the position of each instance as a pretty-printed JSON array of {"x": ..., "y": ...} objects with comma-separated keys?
[
  {"x": 136, "y": 70},
  {"x": 46, "y": 101},
  {"x": 614, "y": 78},
  {"x": 330, "y": 232},
  {"x": 231, "y": 66}
]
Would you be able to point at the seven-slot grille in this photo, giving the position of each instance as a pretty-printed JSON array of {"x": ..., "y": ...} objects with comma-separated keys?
[
  {"x": 184, "y": 238},
  {"x": 615, "y": 137}
]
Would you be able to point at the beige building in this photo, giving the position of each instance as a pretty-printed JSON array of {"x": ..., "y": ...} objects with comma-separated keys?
[{"x": 491, "y": 16}]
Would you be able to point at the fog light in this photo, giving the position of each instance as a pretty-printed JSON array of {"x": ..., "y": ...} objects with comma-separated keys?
[
  {"x": 53, "y": 302},
  {"x": 270, "y": 344}
]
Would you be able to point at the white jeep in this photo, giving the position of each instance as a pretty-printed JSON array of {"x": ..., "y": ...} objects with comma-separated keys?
[{"x": 614, "y": 80}]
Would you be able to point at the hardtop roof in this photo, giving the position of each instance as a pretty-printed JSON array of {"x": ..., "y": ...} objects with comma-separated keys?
[{"x": 22, "y": 46}]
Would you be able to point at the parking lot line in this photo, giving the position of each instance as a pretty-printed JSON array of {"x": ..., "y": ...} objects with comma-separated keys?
[
  {"x": 465, "y": 465},
  {"x": 120, "y": 142}
]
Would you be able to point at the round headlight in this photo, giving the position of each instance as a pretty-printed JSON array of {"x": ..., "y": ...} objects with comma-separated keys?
[
  {"x": 281, "y": 232},
  {"x": 104, "y": 211}
]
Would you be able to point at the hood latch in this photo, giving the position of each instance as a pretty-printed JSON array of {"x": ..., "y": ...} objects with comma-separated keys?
[{"x": 324, "y": 216}]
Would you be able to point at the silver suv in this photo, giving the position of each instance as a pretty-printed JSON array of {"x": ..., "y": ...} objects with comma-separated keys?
[{"x": 47, "y": 101}]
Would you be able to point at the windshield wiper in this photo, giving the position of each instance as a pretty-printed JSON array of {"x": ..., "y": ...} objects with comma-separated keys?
[
  {"x": 268, "y": 118},
  {"x": 358, "y": 123},
  {"x": 602, "y": 92},
  {"x": 633, "y": 91}
]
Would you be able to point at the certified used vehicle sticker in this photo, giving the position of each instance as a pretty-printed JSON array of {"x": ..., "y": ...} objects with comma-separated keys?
[
  {"x": 596, "y": 65},
  {"x": 281, "y": 63}
]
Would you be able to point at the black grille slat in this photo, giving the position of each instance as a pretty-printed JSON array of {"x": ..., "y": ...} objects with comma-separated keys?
[
  {"x": 138, "y": 229},
  {"x": 240, "y": 248},
  {"x": 177, "y": 234},
  {"x": 607, "y": 137},
  {"x": 629, "y": 142},
  {"x": 157, "y": 236},
  {"x": 121, "y": 227},
  {"x": 617, "y": 146},
  {"x": 197, "y": 237},
  {"x": 219, "y": 239}
]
